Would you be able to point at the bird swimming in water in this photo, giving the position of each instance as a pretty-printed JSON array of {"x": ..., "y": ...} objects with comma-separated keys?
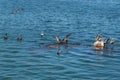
[
  {"x": 106, "y": 43},
  {"x": 58, "y": 51},
  {"x": 5, "y": 36},
  {"x": 60, "y": 42},
  {"x": 98, "y": 41},
  {"x": 109, "y": 44},
  {"x": 98, "y": 37},
  {"x": 112, "y": 41},
  {"x": 106, "y": 40},
  {"x": 63, "y": 41},
  {"x": 19, "y": 38},
  {"x": 42, "y": 34}
]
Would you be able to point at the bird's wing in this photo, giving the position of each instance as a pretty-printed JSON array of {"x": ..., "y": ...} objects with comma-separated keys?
[
  {"x": 66, "y": 37},
  {"x": 106, "y": 40},
  {"x": 112, "y": 41},
  {"x": 98, "y": 37},
  {"x": 57, "y": 38}
]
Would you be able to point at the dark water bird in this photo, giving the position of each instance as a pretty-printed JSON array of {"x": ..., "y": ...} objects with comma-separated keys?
[
  {"x": 106, "y": 40},
  {"x": 64, "y": 40},
  {"x": 98, "y": 37},
  {"x": 19, "y": 38},
  {"x": 58, "y": 51},
  {"x": 112, "y": 41},
  {"x": 109, "y": 44},
  {"x": 42, "y": 34},
  {"x": 5, "y": 36}
]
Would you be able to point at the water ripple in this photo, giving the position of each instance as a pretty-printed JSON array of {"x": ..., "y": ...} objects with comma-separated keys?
[{"x": 30, "y": 59}]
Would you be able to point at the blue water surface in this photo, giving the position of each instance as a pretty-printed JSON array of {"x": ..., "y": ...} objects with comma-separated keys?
[{"x": 30, "y": 59}]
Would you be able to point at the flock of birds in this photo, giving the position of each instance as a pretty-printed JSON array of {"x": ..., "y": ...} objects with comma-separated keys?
[
  {"x": 99, "y": 42},
  {"x": 102, "y": 43}
]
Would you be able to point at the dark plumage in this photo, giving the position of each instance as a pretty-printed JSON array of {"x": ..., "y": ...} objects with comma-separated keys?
[
  {"x": 19, "y": 38},
  {"x": 58, "y": 51},
  {"x": 98, "y": 37},
  {"x": 5, "y": 36},
  {"x": 106, "y": 40},
  {"x": 112, "y": 41},
  {"x": 63, "y": 41}
]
